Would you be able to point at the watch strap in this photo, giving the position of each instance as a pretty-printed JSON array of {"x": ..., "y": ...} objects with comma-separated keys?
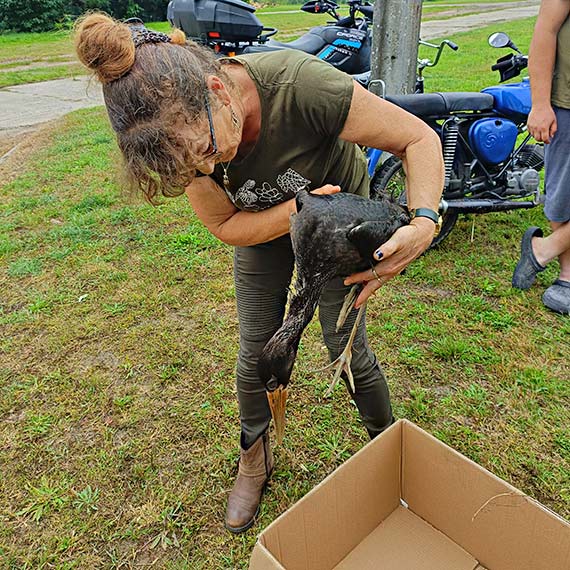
[{"x": 426, "y": 213}]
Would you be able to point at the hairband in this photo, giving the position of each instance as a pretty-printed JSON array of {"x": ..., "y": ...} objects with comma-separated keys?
[{"x": 142, "y": 35}]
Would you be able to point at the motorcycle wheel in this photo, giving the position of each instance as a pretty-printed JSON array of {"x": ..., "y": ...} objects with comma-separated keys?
[{"x": 389, "y": 181}]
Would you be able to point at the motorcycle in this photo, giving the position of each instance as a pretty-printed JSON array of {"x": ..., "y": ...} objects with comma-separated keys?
[
  {"x": 486, "y": 169},
  {"x": 375, "y": 156},
  {"x": 230, "y": 27}
]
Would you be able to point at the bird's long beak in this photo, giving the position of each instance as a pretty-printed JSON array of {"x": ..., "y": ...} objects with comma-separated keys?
[{"x": 277, "y": 402}]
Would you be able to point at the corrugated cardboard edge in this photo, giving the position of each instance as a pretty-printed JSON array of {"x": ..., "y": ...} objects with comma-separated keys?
[
  {"x": 509, "y": 548},
  {"x": 262, "y": 559},
  {"x": 513, "y": 490},
  {"x": 262, "y": 554}
]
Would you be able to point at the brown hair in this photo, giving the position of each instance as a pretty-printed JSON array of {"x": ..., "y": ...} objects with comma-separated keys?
[{"x": 145, "y": 90}]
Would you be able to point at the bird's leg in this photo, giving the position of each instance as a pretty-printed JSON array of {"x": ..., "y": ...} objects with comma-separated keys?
[
  {"x": 347, "y": 305},
  {"x": 342, "y": 363}
]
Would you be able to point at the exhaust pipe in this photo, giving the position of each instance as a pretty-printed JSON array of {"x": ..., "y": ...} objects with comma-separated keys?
[{"x": 483, "y": 206}]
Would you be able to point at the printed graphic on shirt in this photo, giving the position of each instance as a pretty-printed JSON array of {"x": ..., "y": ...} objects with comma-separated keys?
[
  {"x": 292, "y": 181},
  {"x": 253, "y": 198}
]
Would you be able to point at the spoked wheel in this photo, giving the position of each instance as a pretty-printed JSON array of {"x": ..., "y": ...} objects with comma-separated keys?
[{"x": 389, "y": 181}]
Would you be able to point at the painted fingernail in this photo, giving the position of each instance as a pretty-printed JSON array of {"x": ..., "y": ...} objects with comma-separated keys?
[{"x": 378, "y": 254}]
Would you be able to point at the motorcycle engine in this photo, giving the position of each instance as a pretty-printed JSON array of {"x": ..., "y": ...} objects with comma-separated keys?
[
  {"x": 532, "y": 155},
  {"x": 524, "y": 179},
  {"x": 523, "y": 182}
]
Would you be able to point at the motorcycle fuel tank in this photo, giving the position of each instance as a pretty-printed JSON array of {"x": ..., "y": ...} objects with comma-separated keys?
[
  {"x": 512, "y": 99},
  {"x": 493, "y": 139}
]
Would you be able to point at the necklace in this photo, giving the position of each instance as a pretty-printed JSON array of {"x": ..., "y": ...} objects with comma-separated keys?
[{"x": 226, "y": 179}]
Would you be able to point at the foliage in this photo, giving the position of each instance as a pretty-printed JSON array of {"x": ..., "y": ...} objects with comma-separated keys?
[
  {"x": 44, "y": 15},
  {"x": 31, "y": 15}
]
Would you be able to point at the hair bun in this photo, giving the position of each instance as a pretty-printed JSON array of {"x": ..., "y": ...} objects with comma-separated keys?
[
  {"x": 178, "y": 37},
  {"x": 105, "y": 46}
]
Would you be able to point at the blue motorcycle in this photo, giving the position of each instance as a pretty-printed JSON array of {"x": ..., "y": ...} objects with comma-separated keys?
[{"x": 488, "y": 168}]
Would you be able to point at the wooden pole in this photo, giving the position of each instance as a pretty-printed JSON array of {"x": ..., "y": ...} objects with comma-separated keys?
[{"x": 396, "y": 32}]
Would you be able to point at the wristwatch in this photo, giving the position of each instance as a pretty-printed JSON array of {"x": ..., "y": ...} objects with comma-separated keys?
[{"x": 427, "y": 213}]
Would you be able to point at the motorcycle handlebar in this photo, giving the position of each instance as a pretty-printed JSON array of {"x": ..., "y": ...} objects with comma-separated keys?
[
  {"x": 510, "y": 66},
  {"x": 502, "y": 65}
]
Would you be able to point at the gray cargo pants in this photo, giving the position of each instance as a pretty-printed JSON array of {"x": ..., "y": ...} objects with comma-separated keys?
[{"x": 262, "y": 276}]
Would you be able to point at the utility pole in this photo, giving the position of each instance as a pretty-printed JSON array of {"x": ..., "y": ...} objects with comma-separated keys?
[{"x": 395, "y": 36}]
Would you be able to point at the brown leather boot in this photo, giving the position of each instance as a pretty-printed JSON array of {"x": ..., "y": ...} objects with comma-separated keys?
[{"x": 255, "y": 467}]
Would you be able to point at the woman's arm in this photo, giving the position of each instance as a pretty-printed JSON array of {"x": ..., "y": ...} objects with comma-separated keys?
[
  {"x": 234, "y": 227},
  {"x": 374, "y": 122}
]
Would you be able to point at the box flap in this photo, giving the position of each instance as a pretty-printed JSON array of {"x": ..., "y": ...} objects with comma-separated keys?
[
  {"x": 261, "y": 559},
  {"x": 489, "y": 518},
  {"x": 324, "y": 526},
  {"x": 404, "y": 541}
]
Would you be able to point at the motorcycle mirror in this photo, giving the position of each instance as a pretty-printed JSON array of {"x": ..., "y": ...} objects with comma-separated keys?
[{"x": 501, "y": 40}]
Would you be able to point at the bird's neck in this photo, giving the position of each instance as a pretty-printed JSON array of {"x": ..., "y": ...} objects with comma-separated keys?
[{"x": 301, "y": 310}]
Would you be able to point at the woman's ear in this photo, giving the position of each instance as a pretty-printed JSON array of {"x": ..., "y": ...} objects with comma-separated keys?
[{"x": 217, "y": 87}]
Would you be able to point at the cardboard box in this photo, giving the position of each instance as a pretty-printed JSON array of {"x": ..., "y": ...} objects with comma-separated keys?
[{"x": 406, "y": 501}]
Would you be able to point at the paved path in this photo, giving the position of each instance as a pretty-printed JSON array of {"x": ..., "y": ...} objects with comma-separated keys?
[
  {"x": 26, "y": 106},
  {"x": 446, "y": 28}
]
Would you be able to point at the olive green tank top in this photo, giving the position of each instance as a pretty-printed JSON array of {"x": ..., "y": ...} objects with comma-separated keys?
[
  {"x": 304, "y": 105},
  {"x": 561, "y": 77}
]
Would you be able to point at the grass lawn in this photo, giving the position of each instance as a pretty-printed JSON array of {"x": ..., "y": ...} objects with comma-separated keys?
[{"x": 118, "y": 417}]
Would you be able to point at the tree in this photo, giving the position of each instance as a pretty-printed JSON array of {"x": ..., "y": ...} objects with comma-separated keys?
[{"x": 30, "y": 15}]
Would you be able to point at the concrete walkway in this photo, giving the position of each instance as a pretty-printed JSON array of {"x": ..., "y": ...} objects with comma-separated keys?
[{"x": 25, "y": 106}]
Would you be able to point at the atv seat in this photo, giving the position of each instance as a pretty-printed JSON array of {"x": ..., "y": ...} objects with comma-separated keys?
[
  {"x": 309, "y": 43},
  {"x": 434, "y": 104}
]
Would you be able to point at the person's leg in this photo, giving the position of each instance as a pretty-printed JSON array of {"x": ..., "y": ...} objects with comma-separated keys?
[
  {"x": 538, "y": 251},
  {"x": 262, "y": 275},
  {"x": 557, "y": 244},
  {"x": 372, "y": 396}
]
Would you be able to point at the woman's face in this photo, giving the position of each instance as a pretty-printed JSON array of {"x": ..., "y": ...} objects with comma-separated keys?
[{"x": 211, "y": 141}]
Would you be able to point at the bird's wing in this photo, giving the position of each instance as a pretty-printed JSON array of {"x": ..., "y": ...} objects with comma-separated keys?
[{"x": 368, "y": 236}]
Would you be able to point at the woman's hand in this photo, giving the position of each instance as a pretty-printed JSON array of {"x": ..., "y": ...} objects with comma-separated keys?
[
  {"x": 326, "y": 189},
  {"x": 322, "y": 191},
  {"x": 407, "y": 243}
]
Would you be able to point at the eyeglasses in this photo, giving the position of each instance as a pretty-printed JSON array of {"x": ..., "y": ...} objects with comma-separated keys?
[{"x": 214, "y": 147}]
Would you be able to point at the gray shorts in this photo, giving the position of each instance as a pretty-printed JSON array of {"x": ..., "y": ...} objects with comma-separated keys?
[{"x": 557, "y": 170}]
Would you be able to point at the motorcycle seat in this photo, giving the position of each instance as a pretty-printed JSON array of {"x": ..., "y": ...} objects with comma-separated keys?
[
  {"x": 433, "y": 104},
  {"x": 309, "y": 43}
]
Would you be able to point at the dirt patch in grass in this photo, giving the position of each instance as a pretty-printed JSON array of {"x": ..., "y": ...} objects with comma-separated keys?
[{"x": 17, "y": 145}]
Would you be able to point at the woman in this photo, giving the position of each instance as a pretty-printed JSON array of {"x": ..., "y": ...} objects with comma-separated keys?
[{"x": 241, "y": 137}]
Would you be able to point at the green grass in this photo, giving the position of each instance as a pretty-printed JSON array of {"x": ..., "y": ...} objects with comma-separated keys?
[{"x": 118, "y": 338}]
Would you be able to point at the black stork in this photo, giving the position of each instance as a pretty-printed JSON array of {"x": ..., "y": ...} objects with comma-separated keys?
[{"x": 334, "y": 234}]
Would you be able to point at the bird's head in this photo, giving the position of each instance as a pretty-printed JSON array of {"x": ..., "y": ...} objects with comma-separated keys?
[{"x": 274, "y": 369}]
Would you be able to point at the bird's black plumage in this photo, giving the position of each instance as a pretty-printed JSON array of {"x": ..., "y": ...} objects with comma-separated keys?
[{"x": 332, "y": 235}]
